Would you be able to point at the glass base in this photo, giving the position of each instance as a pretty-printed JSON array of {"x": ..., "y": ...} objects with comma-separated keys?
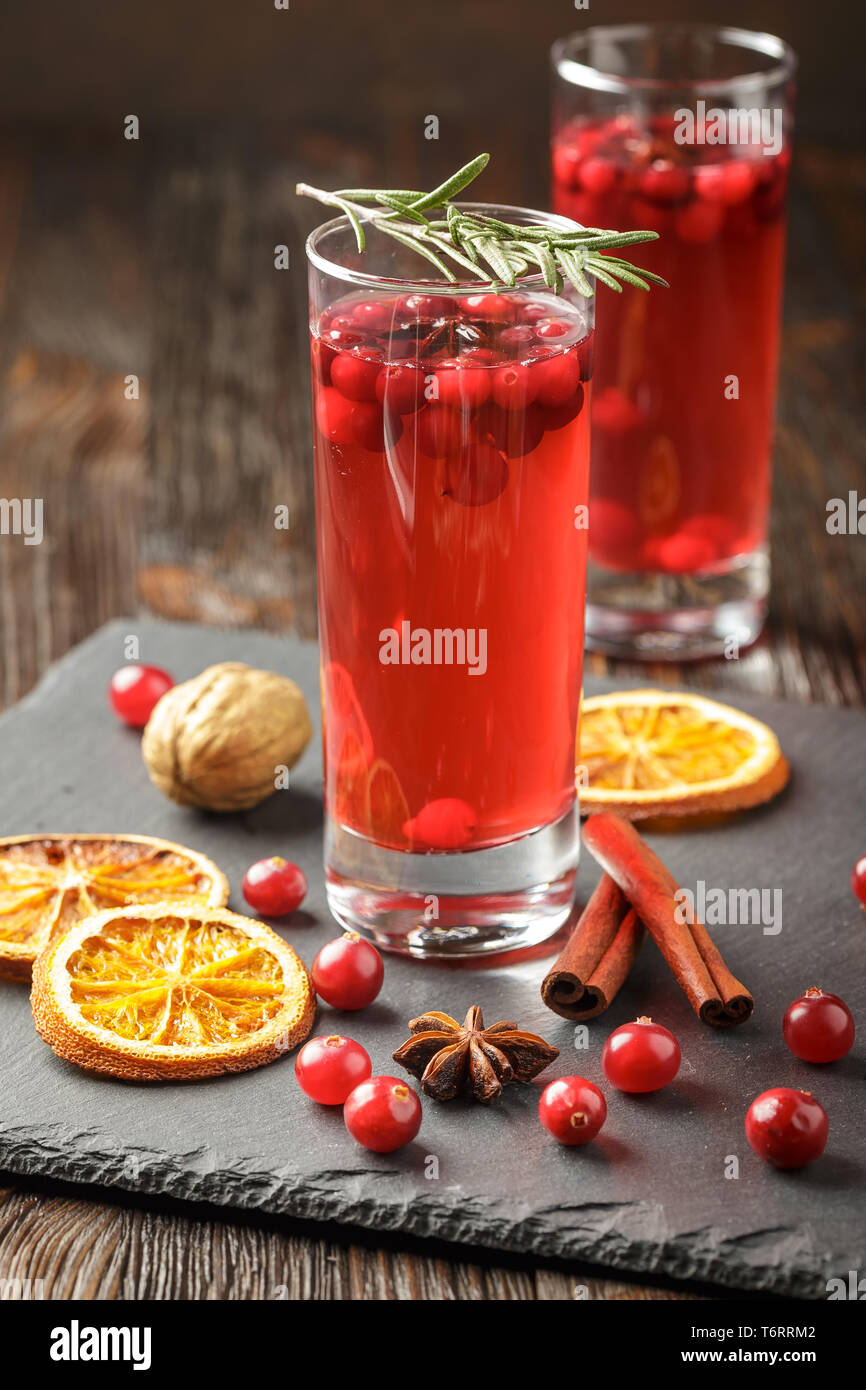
[
  {"x": 676, "y": 617},
  {"x": 458, "y": 904}
]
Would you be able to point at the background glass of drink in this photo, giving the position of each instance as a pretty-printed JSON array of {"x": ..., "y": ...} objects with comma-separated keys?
[
  {"x": 685, "y": 378},
  {"x": 451, "y": 431}
]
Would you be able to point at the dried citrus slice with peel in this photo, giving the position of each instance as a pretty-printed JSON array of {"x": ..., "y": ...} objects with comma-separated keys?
[
  {"x": 49, "y": 882},
  {"x": 171, "y": 992},
  {"x": 660, "y": 752},
  {"x": 387, "y": 807}
]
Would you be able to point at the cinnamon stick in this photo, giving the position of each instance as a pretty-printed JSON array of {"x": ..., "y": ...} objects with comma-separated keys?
[
  {"x": 716, "y": 996},
  {"x": 597, "y": 957}
]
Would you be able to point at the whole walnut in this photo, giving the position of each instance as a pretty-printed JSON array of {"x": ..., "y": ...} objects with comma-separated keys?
[{"x": 218, "y": 741}]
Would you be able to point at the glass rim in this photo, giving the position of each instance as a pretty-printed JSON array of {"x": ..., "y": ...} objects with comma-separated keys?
[
  {"x": 751, "y": 40},
  {"x": 443, "y": 287}
]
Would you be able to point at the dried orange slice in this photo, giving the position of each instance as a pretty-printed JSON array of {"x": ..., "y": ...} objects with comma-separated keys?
[
  {"x": 387, "y": 807},
  {"x": 171, "y": 992},
  {"x": 659, "y": 752},
  {"x": 49, "y": 882}
]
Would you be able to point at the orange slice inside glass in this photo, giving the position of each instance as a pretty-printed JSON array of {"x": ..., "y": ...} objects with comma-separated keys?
[
  {"x": 656, "y": 752},
  {"x": 171, "y": 992},
  {"x": 387, "y": 808},
  {"x": 50, "y": 882}
]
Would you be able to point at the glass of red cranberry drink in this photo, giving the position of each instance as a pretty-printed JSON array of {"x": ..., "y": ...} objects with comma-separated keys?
[
  {"x": 684, "y": 129},
  {"x": 451, "y": 428}
]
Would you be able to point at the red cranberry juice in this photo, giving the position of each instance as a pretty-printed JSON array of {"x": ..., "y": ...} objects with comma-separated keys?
[
  {"x": 685, "y": 377},
  {"x": 452, "y": 474}
]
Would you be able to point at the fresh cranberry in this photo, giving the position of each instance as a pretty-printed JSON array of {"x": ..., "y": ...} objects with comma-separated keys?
[
  {"x": 383, "y": 1114},
  {"x": 858, "y": 880},
  {"x": 787, "y": 1128},
  {"x": 480, "y": 357},
  {"x": 376, "y": 315},
  {"x": 520, "y": 336},
  {"x": 716, "y": 529},
  {"x": 447, "y": 823},
  {"x": 514, "y": 387},
  {"x": 334, "y": 416},
  {"x": 556, "y": 417},
  {"x": 401, "y": 388},
  {"x": 322, "y": 356},
  {"x": 566, "y": 160},
  {"x": 572, "y": 1109},
  {"x": 664, "y": 182},
  {"x": 440, "y": 431},
  {"x": 598, "y": 175},
  {"x": 614, "y": 533},
  {"x": 372, "y": 430},
  {"x": 476, "y": 476},
  {"x": 461, "y": 386},
  {"x": 343, "y": 337},
  {"x": 134, "y": 691},
  {"x": 640, "y": 1056},
  {"x": 551, "y": 328},
  {"x": 725, "y": 183},
  {"x": 348, "y": 972},
  {"x": 818, "y": 1027},
  {"x": 532, "y": 313},
  {"x": 427, "y": 306},
  {"x": 329, "y": 1069},
  {"x": 489, "y": 308},
  {"x": 698, "y": 223},
  {"x": 556, "y": 379},
  {"x": 355, "y": 377},
  {"x": 685, "y": 552},
  {"x": 274, "y": 887},
  {"x": 515, "y": 433},
  {"x": 612, "y": 410}
]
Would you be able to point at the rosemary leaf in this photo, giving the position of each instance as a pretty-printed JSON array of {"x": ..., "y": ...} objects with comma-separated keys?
[{"x": 415, "y": 244}]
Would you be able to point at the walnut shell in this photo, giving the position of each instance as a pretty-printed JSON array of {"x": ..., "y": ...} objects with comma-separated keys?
[{"x": 216, "y": 741}]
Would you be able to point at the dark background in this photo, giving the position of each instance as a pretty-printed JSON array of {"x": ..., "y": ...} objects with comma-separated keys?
[{"x": 156, "y": 258}]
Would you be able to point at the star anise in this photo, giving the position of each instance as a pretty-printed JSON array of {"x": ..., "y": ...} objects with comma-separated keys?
[{"x": 449, "y": 1058}]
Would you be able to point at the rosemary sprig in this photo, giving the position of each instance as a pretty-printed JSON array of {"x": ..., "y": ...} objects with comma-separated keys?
[{"x": 494, "y": 251}]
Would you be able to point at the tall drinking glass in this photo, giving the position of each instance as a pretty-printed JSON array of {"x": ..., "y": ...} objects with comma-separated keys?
[
  {"x": 683, "y": 129},
  {"x": 452, "y": 465}
]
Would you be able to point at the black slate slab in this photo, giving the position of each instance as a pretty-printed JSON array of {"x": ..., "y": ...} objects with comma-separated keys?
[{"x": 655, "y": 1193}]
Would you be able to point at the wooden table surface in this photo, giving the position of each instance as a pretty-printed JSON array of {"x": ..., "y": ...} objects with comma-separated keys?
[{"x": 116, "y": 263}]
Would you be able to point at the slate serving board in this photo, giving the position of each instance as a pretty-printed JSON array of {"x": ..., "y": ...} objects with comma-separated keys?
[{"x": 651, "y": 1195}]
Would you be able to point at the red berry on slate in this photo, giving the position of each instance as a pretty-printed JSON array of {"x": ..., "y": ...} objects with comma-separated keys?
[
  {"x": 401, "y": 388},
  {"x": 514, "y": 386},
  {"x": 597, "y": 175},
  {"x": 640, "y": 1056},
  {"x": 134, "y": 691},
  {"x": 858, "y": 880},
  {"x": 374, "y": 314},
  {"x": 334, "y": 416},
  {"x": 787, "y": 1128},
  {"x": 355, "y": 377},
  {"x": 274, "y": 887},
  {"x": 348, "y": 972},
  {"x": 818, "y": 1027},
  {"x": 447, "y": 823},
  {"x": 572, "y": 1109},
  {"x": 383, "y": 1114},
  {"x": 329, "y": 1069}
]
